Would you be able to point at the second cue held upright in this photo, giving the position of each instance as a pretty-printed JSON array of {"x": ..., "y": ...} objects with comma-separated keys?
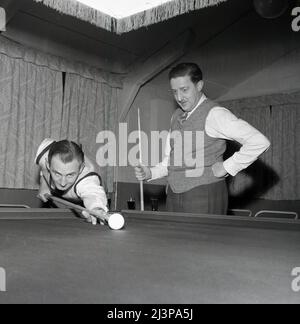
[{"x": 141, "y": 160}]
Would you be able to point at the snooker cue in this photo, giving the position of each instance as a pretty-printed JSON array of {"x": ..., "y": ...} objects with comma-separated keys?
[
  {"x": 76, "y": 207},
  {"x": 141, "y": 161}
]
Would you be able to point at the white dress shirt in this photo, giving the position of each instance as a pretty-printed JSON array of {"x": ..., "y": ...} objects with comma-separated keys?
[{"x": 221, "y": 123}]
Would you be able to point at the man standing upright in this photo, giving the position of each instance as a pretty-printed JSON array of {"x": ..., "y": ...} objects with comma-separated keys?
[{"x": 204, "y": 191}]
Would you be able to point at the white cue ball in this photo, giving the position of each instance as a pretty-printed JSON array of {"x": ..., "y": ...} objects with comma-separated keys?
[{"x": 116, "y": 221}]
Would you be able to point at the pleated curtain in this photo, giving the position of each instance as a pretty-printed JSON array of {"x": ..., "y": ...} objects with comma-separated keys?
[
  {"x": 276, "y": 175},
  {"x": 38, "y": 102}
]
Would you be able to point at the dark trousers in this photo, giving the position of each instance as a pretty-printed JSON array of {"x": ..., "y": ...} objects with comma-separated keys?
[{"x": 206, "y": 199}]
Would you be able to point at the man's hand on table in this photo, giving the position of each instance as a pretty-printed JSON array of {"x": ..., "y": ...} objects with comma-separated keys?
[
  {"x": 92, "y": 219},
  {"x": 42, "y": 195}
]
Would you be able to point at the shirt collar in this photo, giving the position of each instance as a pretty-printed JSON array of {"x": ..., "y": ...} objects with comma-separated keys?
[{"x": 202, "y": 99}]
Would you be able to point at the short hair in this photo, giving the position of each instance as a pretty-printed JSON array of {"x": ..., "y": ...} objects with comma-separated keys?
[
  {"x": 67, "y": 151},
  {"x": 187, "y": 69}
]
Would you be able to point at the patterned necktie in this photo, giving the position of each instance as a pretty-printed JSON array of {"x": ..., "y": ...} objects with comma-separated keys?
[{"x": 182, "y": 118}]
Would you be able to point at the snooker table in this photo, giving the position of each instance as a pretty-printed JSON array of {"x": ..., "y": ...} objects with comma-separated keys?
[{"x": 50, "y": 256}]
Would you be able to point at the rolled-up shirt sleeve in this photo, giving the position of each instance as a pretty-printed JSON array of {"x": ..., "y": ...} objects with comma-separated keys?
[
  {"x": 221, "y": 123},
  {"x": 160, "y": 170},
  {"x": 92, "y": 194}
]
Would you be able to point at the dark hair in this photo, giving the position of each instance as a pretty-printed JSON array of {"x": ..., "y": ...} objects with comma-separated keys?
[
  {"x": 184, "y": 69},
  {"x": 67, "y": 151}
]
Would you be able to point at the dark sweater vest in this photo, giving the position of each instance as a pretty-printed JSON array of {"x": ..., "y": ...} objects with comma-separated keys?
[{"x": 191, "y": 139}]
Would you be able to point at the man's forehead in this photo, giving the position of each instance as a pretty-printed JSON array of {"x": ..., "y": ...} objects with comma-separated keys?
[
  {"x": 181, "y": 81},
  {"x": 69, "y": 167}
]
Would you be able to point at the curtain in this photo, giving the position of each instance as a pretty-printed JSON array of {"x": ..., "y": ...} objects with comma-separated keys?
[
  {"x": 55, "y": 63},
  {"x": 36, "y": 103},
  {"x": 30, "y": 110},
  {"x": 89, "y": 107},
  {"x": 276, "y": 175},
  {"x": 286, "y": 151}
]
